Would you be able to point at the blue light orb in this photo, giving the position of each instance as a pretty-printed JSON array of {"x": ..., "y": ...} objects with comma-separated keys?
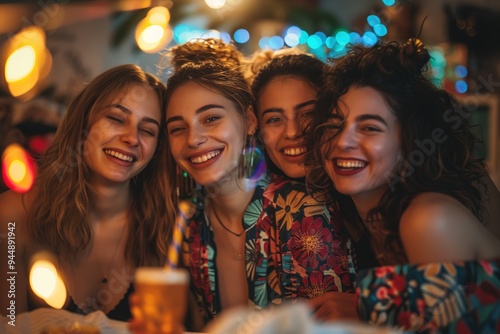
[
  {"x": 380, "y": 29},
  {"x": 314, "y": 42},
  {"x": 342, "y": 38},
  {"x": 303, "y": 37},
  {"x": 276, "y": 42},
  {"x": 321, "y": 35},
  {"x": 294, "y": 30},
  {"x": 226, "y": 38},
  {"x": 389, "y": 3},
  {"x": 241, "y": 36},
  {"x": 264, "y": 42},
  {"x": 373, "y": 20},
  {"x": 292, "y": 40},
  {"x": 461, "y": 86},
  {"x": 369, "y": 39},
  {"x": 461, "y": 71},
  {"x": 330, "y": 42},
  {"x": 354, "y": 38}
]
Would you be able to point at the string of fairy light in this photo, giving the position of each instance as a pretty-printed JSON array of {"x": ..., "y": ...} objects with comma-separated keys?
[{"x": 319, "y": 43}]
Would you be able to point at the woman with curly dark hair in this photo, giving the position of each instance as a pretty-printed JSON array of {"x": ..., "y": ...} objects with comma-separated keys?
[
  {"x": 398, "y": 153},
  {"x": 400, "y": 149}
]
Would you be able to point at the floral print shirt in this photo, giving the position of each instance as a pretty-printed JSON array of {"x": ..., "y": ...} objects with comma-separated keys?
[
  {"x": 448, "y": 297},
  {"x": 294, "y": 248},
  {"x": 311, "y": 252}
]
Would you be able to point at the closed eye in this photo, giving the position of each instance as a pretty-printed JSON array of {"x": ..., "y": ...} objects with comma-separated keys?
[
  {"x": 115, "y": 119},
  {"x": 175, "y": 130},
  {"x": 149, "y": 132}
]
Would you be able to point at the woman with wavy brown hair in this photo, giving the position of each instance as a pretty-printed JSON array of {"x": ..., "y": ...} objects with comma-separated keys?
[{"x": 102, "y": 200}]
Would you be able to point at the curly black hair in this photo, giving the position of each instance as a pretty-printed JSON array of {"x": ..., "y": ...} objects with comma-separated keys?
[{"x": 425, "y": 114}]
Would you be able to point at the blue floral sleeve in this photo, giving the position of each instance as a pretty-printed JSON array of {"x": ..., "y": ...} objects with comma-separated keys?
[{"x": 449, "y": 297}]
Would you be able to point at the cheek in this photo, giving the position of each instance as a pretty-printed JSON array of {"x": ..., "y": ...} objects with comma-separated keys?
[
  {"x": 150, "y": 146},
  {"x": 175, "y": 147},
  {"x": 269, "y": 137}
]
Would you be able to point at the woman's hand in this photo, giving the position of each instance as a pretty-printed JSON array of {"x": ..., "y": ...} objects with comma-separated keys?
[{"x": 334, "y": 306}]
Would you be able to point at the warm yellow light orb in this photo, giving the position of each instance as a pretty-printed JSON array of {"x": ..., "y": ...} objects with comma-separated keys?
[
  {"x": 17, "y": 171},
  {"x": 46, "y": 282},
  {"x": 152, "y": 34},
  {"x": 159, "y": 15},
  {"x": 215, "y": 4},
  {"x": 43, "y": 278},
  {"x": 20, "y": 63}
]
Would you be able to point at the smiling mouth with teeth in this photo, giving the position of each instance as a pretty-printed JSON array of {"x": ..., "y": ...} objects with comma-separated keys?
[
  {"x": 294, "y": 151},
  {"x": 205, "y": 157},
  {"x": 350, "y": 164},
  {"x": 119, "y": 155}
]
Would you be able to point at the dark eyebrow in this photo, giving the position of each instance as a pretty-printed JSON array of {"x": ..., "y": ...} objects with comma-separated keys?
[
  {"x": 270, "y": 110},
  {"x": 297, "y": 107},
  {"x": 199, "y": 110},
  {"x": 366, "y": 117},
  {"x": 129, "y": 112},
  {"x": 305, "y": 104}
]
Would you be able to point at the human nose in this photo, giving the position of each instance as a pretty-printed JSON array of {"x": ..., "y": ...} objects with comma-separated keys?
[
  {"x": 131, "y": 136},
  {"x": 293, "y": 129},
  {"x": 196, "y": 137},
  {"x": 346, "y": 139}
]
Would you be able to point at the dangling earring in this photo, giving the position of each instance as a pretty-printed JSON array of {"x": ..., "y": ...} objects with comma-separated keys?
[
  {"x": 185, "y": 184},
  {"x": 252, "y": 166}
]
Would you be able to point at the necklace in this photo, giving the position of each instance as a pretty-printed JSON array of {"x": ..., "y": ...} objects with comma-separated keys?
[
  {"x": 105, "y": 278},
  {"x": 238, "y": 254},
  {"x": 224, "y": 226}
]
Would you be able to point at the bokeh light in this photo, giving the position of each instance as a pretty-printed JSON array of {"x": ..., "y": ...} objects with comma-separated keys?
[
  {"x": 27, "y": 62},
  {"x": 380, "y": 29},
  {"x": 461, "y": 71},
  {"x": 215, "y": 4},
  {"x": 45, "y": 281},
  {"x": 314, "y": 41},
  {"x": 18, "y": 168},
  {"x": 153, "y": 32},
  {"x": 276, "y": 42},
  {"x": 342, "y": 38},
  {"x": 241, "y": 36},
  {"x": 373, "y": 20},
  {"x": 461, "y": 86}
]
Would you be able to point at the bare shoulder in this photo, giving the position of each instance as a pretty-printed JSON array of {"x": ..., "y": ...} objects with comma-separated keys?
[
  {"x": 433, "y": 211},
  {"x": 14, "y": 209},
  {"x": 436, "y": 227}
]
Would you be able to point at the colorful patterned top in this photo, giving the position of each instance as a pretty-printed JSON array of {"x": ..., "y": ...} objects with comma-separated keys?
[
  {"x": 449, "y": 297},
  {"x": 312, "y": 252},
  {"x": 199, "y": 254},
  {"x": 310, "y": 257}
]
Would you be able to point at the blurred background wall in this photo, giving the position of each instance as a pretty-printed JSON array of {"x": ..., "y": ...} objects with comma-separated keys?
[{"x": 74, "y": 40}]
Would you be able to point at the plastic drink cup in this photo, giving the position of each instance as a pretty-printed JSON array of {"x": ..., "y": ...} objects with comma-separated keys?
[{"x": 162, "y": 295}]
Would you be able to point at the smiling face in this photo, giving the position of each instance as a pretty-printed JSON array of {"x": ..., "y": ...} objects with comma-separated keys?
[
  {"x": 124, "y": 135},
  {"x": 360, "y": 157},
  {"x": 206, "y": 133},
  {"x": 283, "y": 105}
]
